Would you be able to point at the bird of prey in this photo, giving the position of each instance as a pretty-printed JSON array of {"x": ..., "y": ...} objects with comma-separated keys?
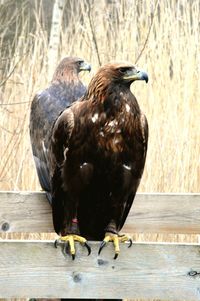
[
  {"x": 97, "y": 156},
  {"x": 64, "y": 89}
]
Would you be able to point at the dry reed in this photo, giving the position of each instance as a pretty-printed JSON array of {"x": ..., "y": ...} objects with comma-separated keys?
[
  {"x": 101, "y": 32},
  {"x": 117, "y": 32}
]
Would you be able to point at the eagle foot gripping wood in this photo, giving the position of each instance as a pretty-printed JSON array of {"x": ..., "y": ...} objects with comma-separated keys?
[
  {"x": 116, "y": 239},
  {"x": 69, "y": 244}
]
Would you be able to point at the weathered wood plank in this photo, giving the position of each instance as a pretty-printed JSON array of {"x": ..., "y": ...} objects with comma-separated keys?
[
  {"x": 161, "y": 271},
  {"x": 150, "y": 213},
  {"x": 165, "y": 213},
  {"x": 25, "y": 212}
]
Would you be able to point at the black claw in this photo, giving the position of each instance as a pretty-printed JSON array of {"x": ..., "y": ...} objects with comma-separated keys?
[
  {"x": 88, "y": 247},
  {"x": 101, "y": 247},
  {"x": 66, "y": 248},
  {"x": 56, "y": 243},
  {"x": 130, "y": 242},
  {"x": 116, "y": 255},
  {"x": 73, "y": 256}
]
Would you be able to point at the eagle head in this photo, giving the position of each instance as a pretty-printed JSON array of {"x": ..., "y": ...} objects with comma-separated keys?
[
  {"x": 69, "y": 68},
  {"x": 114, "y": 74},
  {"x": 122, "y": 72}
]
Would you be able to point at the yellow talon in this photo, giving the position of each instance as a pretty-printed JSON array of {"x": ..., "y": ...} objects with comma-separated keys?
[
  {"x": 107, "y": 238},
  {"x": 124, "y": 238},
  {"x": 71, "y": 238},
  {"x": 79, "y": 238},
  {"x": 116, "y": 239},
  {"x": 71, "y": 244},
  {"x": 116, "y": 244}
]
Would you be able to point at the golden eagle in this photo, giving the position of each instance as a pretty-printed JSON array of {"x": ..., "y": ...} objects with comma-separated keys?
[
  {"x": 97, "y": 157},
  {"x": 65, "y": 88}
]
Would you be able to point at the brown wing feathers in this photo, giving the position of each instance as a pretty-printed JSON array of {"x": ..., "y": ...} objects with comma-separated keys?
[
  {"x": 98, "y": 152},
  {"x": 46, "y": 106}
]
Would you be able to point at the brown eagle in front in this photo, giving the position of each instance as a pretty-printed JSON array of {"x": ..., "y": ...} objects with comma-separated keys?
[
  {"x": 98, "y": 152},
  {"x": 64, "y": 89}
]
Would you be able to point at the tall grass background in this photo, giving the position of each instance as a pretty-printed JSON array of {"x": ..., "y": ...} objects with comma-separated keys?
[
  {"x": 117, "y": 31},
  {"x": 168, "y": 34},
  {"x": 162, "y": 37}
]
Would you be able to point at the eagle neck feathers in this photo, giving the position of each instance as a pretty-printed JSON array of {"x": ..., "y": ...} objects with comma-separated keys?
[
  {"x": 111, "y": 98},
  {"x": 68, "y": 76}
]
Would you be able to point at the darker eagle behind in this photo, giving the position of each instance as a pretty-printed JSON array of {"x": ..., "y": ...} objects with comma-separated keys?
[
  {"x": 64, "y": 89},
  {"x": 97, "y": 156}
]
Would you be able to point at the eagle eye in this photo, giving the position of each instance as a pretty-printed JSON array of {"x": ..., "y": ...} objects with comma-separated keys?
[
  {"x": 123, "y": 69},
  {"x": 80, "y": 63}
]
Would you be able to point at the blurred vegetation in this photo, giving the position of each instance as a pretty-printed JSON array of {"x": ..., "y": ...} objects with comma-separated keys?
[{"x": 163, "y": 37}]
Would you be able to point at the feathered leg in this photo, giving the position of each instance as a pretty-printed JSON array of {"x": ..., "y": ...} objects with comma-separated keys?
[
  {"x": 111, "y": 235},
  {"x": 70, "y": 239},
  {"x": 65, "y": 217}
]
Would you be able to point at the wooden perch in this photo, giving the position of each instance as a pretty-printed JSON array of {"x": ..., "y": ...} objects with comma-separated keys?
[
  {"x": 150, "y": 213},
  {"x": 36, "y": 269}
]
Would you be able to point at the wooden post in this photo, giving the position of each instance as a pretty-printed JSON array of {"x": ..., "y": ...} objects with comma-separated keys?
[
  {"x": 150, "y": 213},
  {"x": 35, "y": 269},
  {"x": 148, "y": 270}
]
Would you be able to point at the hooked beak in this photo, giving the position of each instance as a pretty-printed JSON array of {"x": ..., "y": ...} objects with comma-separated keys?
[
  {"x": 135, "y": 74},
  {"x": 85, "y": 67}
]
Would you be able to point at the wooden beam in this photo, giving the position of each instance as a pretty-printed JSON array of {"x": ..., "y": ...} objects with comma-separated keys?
[
  {"x": 35, "y": 269},
  {"x": 150, "y": 213},
  {"x": 25, "y": 212}
]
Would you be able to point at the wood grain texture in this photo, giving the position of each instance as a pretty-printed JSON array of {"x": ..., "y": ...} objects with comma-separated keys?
[
  {"x": 162, "y": 271},
  {"x": 150, "y": 213}
]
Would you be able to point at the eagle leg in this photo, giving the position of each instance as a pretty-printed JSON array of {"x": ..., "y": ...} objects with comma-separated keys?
[
  {"x": 70, "y": 240},
  {"x": 116, "y": 239}
]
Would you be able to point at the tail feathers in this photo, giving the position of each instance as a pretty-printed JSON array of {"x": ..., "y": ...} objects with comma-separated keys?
[
  {"x": 49, "y": 197},
  {"x": 43, "y": 175}
]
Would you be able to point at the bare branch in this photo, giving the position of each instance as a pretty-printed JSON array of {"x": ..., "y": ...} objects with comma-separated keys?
[
  {"x": 13, "y": 69},
  {"x": 148, "y": 34},
  {"x": 14, "y": 103},
  {"x": 93, "y": 33}
]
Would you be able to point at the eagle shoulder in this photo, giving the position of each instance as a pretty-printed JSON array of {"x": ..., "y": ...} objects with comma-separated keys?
[
  {"x": 144, "y": 127},
  {"x": 61, "y": 133}
]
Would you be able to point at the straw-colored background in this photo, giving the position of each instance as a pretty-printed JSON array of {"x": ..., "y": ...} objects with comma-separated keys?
[
  {"x": 167, "y": 36},
  {"x": 170, "y": 100}
]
